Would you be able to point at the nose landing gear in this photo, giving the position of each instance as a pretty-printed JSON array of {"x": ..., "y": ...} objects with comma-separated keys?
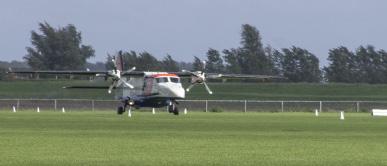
[{"x": 172, "y": 108}]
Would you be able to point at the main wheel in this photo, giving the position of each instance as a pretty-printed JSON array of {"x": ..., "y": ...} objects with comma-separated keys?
[
  {"x": 176, "y": 111},
  {"x": 120, "y": 110}
]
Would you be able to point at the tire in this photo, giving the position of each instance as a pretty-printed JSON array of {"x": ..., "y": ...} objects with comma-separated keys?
[
  {"x": 120, "y": 110},
  {"x": 176, "y": 111}
]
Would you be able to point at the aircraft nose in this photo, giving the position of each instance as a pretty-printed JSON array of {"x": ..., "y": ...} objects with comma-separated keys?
[{"x": 180, "y": 93}]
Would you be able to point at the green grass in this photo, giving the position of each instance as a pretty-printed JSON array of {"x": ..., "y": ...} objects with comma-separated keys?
[
  {"x": 103, "y": 138},
  {"x": 234, "y": 91}
]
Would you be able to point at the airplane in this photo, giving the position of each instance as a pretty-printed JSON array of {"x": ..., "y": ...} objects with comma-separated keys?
[{"x": 148, "y": 89}]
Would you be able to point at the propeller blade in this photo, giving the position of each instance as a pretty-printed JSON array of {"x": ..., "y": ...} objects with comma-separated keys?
[
  {"x": 127, "y": 84},
  {"x": 129, "y": 71},
  {"x": 208, "y": 88},
  {"x": 190, "y": 87},
  {"x": 119, "y": 83},
  {"x": 112, "y": 86},
  {"x": 110, "y": 89}
]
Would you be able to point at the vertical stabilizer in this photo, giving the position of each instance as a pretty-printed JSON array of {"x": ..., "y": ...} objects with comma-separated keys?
[{"x": 119, "y": 62}]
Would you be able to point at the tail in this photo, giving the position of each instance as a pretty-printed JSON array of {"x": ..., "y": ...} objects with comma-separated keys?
[{"x": 120, "y": 62}]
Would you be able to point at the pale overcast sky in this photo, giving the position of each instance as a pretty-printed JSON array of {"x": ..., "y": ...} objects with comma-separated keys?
[{"x": 187, "y": 28}]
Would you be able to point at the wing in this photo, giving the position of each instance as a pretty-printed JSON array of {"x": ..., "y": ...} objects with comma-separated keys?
[
  {"x": 242, "y": 76},
  {"x": 60, "y": 72},
  {"x": 226, "y": 76},
  {"x": 85, "y": 73}
]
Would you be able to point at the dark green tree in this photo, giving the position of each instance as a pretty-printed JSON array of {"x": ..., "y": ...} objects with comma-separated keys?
[
  {"x": 232, "y": 60},
  {"x": 2, "y": 73},
  {"x": 214, "y": 63},
  {"x": 57, "y": 49},
  {"x": 370, "y": 65},
  {"x": 169, "y": 65},
  {"x": 252, "y": 53},
  {"x": 197, "y": 65},
  {"x": 275, "y": 60},
  {"x": 342, "y": 67},
  {"x": 147, "y": 62},
  {"x": 300, "y": 65}
]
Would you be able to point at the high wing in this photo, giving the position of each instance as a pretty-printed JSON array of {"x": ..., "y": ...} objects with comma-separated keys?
[
  {"x": 117, "y": 75},
  {"x": 83, "y": 73},
  {"x": 89, "y": 73},
  {"x": 242, "y": 76},
  {"x": 200, "y": 77},
  {"x": 225, "y": 76}
]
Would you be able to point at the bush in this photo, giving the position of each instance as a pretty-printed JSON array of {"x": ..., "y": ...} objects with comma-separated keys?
[
  {"x": 2, "y": 73},
  {"x": 216, "y": 109}
]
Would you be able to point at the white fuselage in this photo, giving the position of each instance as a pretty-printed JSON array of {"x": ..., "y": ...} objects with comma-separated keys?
[{"x": 154, "y": 84}]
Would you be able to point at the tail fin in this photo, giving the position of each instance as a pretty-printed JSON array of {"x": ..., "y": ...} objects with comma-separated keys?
[{"x": 120, "y": 62}]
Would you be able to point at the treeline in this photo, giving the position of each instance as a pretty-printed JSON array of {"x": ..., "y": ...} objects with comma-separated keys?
[
  {"x": 62, "y": 49},
  {"x": 145, "y": 61},
  {"x": 364, "y": 65},
  {"x": 252, "y": 57}
]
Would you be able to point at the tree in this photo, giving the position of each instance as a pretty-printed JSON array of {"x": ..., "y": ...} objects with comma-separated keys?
[
  {"x": 197, "y": 65},
  {"x": 57, "y": 49},
  {"x": 371, "y": 65},
  {"x": 275, "y": 60},
  {"x": 2, "y": 73},
  {"x": 232, "y": 59},
  {"x": 147, "y": 62},
  {"x": 253, "y": 58},
  {"x": 169, "y": 65},
  {"x": 342, "y": 67},
  {"x": 300, "y": 65},
  {"x": 214, "y": 61}
]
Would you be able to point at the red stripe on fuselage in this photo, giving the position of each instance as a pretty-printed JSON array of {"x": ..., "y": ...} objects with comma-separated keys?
[{"x": 164, "y": 75}]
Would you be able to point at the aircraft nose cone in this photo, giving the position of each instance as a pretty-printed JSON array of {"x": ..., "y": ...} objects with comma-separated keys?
[{"x": 180, "y": 93}]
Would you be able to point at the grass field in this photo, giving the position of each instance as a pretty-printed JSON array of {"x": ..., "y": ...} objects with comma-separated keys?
[
  {"x": 235, "y": 91},
  {"x": 103, "y": 138}
]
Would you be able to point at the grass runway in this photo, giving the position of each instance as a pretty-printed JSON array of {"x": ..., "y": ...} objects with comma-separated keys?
[{"x": 103, "y": 138}]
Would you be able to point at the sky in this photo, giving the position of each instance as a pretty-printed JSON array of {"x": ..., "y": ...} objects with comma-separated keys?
[{"x": 187, "y": 28}]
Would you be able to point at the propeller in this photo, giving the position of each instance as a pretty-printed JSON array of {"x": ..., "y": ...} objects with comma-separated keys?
[
  {"x": 116, "y": 75},
  {"x": 198, "y": 77}
]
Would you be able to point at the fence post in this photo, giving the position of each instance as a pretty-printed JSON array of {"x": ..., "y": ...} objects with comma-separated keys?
[
  {"x": 282, "y": 106},
  {"x": 245, "y": 105},
  {"x": 55, "y": 104},
  {"x": 92, "y": 105},
  {"x": 357, "y": 106},
  {"x": 206, "y": 105},
  {"x": 320, "y": 106}
]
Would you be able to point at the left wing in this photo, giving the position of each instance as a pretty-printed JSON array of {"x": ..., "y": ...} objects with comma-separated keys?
[
  {"x": 200, "y": 77},
  {"x": 90, "y": 73},
  {"x": 85, "y": 73}
]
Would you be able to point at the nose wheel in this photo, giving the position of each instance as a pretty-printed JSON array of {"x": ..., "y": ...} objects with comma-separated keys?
[{"x": 173, "y": 109}]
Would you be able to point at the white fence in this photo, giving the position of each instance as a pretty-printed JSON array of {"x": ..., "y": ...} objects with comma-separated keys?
[{"x": 199, "y": 105}]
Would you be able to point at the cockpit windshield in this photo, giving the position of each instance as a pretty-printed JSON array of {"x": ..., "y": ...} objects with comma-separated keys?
[
  {"x": 161, "y": 79},
  {"x": 175, "y": 80},
  {"x": 167, "y": 79}
]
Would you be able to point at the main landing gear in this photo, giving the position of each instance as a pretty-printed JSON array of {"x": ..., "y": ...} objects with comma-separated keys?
[{"x": 122, "y": 109}]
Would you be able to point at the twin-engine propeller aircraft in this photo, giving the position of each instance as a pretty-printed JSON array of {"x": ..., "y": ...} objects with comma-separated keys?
[{"x": 148, "y": 89}]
